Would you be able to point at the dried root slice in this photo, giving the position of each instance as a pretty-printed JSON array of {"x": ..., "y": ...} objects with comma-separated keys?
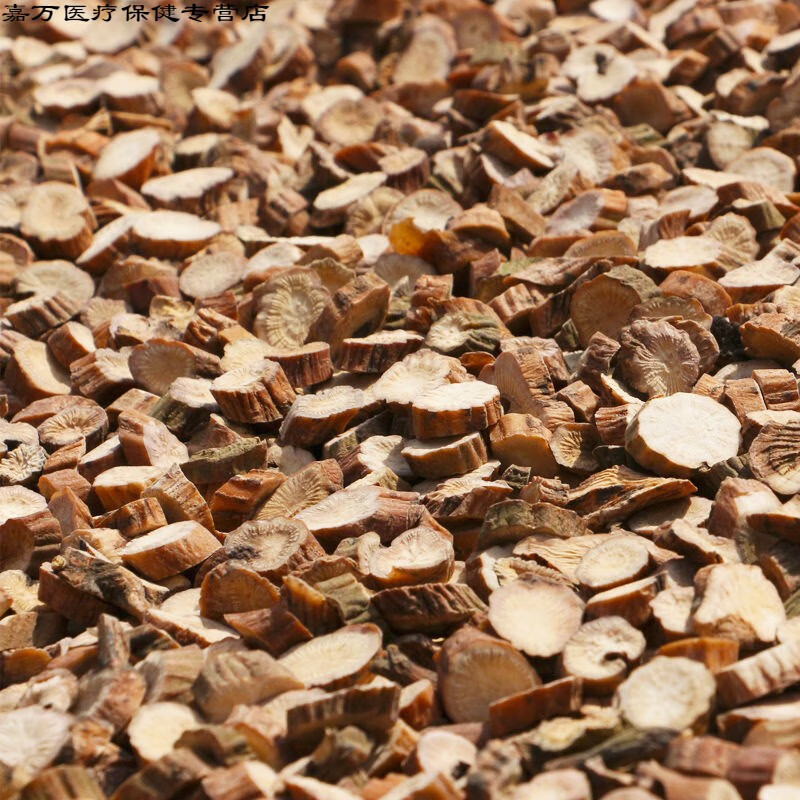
[
  {"x": 378, "y": 351},
  {"x": 287, "y": 306},
  {"x": 212, "y": 274},
  {"x": 359, "y": 509},
  {"x": 441, "y": 458},
  {"x": 304, "y": 488},
  {"x": 82, "y": 423},
  {"x": 179, "y": 498},
  {"x": 30, "y": 739},
  {"x": 128, "y": 157},
  {"x": 783, "y": 522},
  {"x": 102, "y": 375},
  {"x": 773, "y": 456},
  {"x": 520, "y": 712},
  {"x": 419, "y": 555},
  {"x": 737, "y": 601},
  {"x": 604, "y": 303},
  {"x": 230, "y": 588},
  {"x": 572, "y": 444},
  {"x": 374, "y": 454},
  {"x": 70, "y": 342},
  {"x": 416, "y": 375},
  {"x": 524, "y": 440},
  {"x": 154, "y": 728},
  {"x": 518, "y": 148},
  {"x": 558, "y": 616},
  {"x": 16, "y": 502},
  {"x": 50, "y": 278},
  {"x": 156, "y": 363},
  {"x": 476, "y": 670},
  {"x": 600, "y": 72},
  {"x": 32, "y": 373},
  {"x": 617, "y": 560},
  {"x": 148, "y": 442},
  {"x": 170, "y": 550},
  {"x": 455, "y": 409},
  {"x": 762, "y": 674},
  {"x": 600, "y": 653},
  {"x": 57, "y": 220},
  {"x": 304, "y": 365},
  {"x": 185, "y": 406},
  {"x": 185, "y": 190},
  {"x": 429, "y": 209},
  {"x": 676, "y": 435},
  {"x": 239, "y": 677},
  {"x": 358, "y": 308},
  {"x": 119, "y": 485},
  {"x": 171, "y": 234},
  {"x": 667, "y": 693},
  {"x": 257, "y": 393},
  {"x": 657, "y": 359},
  {"x": 272, "y": 548},
  {"x": 331, "y": 206},
  {"x": 315, "y": 418},
  {"x": 336, "y": 659}
]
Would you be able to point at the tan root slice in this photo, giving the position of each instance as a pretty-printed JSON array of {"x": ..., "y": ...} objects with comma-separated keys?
[
  {"x": 455, "y": 409},
  {"x": 617, "y": 560},
  {"x": 559, "y": 613},
  {"x": 419, "y": 555},
  {"x": 441, "y": 458},
  {"x": 260, "y": 392},
  {"x": 707, "y": 433}
]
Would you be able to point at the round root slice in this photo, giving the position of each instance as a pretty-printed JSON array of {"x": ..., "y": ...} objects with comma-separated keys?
[
  {"x": 736, "y": 601},
  {"x": 17, "y": 501},
  {"x": 675, "y": 435},
  {"x": 442, "y": 458},
  {"x": 766, "y": 166},
  {"x": 186, "y": 187},
  {"x": 443, "y": 751},
  {"x": 773, "y": 456},
  {"x": 611, "y": 563},
  {"x": 170, "y": 550},
  {"x": 430, "y": 209},
  {"x": 518, "y": 148},
  {"x": 378, "y": 351},
  {"x": 349, "y": 122},
  {"x": 455, "y": 409},
  {"x": 599, "y": 71},
  {"x": 120, "y": 485},
  {"x": 658, "y": 359},
  {"x": 605, "y": 303},
  {"x": 416, "y": 375},
  {"x": 155, "y": 364},
  {"x": 309, "y": 482},
  {"x": 536, "y": 617},
  {"x": 155, "y": 727},
  {"x": 331, "y": 205},
  {"x": 523, "y": 439},
  {"x": 572, "y": 444},
  {"x": 272, "y": 548},
  {"x": 336, "y": 659},
  {"x": 31, "y": 738},
  {"x": 129, "y": 157},
  {"x": 47, "y": 278},
  {"x": 80, "y": 423},
  {"x": 600, "y": 653},
  {"x": 287, "y": 306},
  {"x": 212, "y": 274},
  {"x": 475, "y": 670},
  {"x": 257, "y": 393},
  {"x": 56, "y": 220},
  {"x": 420, "y": 555},
  {"x": 315, "y": 418},
  {"x": 668, "y": 693},
  {"x": 373, "y": 455},
  {"x": 171, "y": 234}
]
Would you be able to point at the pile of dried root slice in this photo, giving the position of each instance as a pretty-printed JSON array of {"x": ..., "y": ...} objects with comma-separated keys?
[{"x": 400, "y": 401}]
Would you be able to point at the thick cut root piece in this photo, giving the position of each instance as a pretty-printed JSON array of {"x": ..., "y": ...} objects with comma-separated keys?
[
  {"x": 456, "y": 409},
  {"x": 676, "y": 435}
]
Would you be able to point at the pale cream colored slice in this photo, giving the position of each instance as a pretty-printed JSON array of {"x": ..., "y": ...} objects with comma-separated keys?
[
  {"x": 46, "y": 278},
  {"x": 17, "y": 501},
  {"x": 417, "y": 374},
  {"x": 331, "y": 205},
  {"x": 33, "y": 373},
  {"x": 430, "y": 210},
  {"x": 617, "y": 560},
  {"x": 212, "y": 274},
  {"x": 419, "y": 555},
  {"x": 442, "y": 458},
  {"x": 187, "y": 186},
  {"x": 558, "y": 616},
  {"x": 56, "y": 220},
  {"x": 600, "y": 72},
  {"x": 119, "y": 485},
  {"x": 155, "y": 727},
  {"x": 600, "y": 653},
  {"x": 128, "y": 157},
  {"x": 31, "y": 738},
  {"x": 170, "y": 550},
  {"x": 676, "y": 435},
  {"x": 766, "y": 165},
  {"x": 669, "y": 693},
  {"x": 455, "y": 409},
  {"x": 315, "y": 418},
  {"x": 336, "y": 658},
  {"x": 517, "y": 147},
  {"x": 171, "y": 234},
  {"x": 736, "y": 601}
]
